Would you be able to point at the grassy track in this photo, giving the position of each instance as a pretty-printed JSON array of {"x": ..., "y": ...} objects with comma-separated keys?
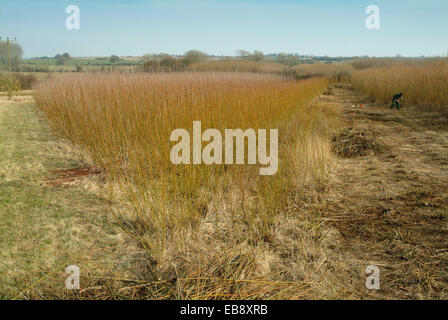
[
  {"x": 391, "y": 207},
  {"x": 44, "y": 228}
]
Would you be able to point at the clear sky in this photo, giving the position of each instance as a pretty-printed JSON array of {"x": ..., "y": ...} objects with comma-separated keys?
[{"x": 318, "y": 27}]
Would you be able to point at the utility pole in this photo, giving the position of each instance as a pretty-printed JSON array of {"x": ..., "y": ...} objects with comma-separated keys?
[{"x": 8, "y": 45}]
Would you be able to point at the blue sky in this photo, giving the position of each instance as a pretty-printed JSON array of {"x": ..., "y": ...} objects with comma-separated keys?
[{"x": 136, "y": 27}]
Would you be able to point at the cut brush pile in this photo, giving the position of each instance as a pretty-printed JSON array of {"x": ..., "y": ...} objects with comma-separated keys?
[{"x": 354, "y": 142}]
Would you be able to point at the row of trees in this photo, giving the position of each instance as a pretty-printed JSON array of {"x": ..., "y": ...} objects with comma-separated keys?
[
  {"x": 193, "y": 56},
  {"x": 246, "y": 55},
  {"x": 152, "y": 61},
  {"x": 62, "y": 59},
  {"x": 289, "y": 60},
  {"x": 166, "y": 61},
  {"x": 188, "y": 58}
]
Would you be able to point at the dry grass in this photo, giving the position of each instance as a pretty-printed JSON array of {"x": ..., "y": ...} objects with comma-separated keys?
[
  {"x": 424, "y": 84},
  {"x": 335, "y": 71},
  {"x": 178, "y": 213},
  {"x": 368, "y": 63}
]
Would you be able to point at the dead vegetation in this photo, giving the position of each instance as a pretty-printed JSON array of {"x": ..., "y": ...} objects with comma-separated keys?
[
  {"x": 67, "y": 176},
  {"x": 355, "y": 142}
]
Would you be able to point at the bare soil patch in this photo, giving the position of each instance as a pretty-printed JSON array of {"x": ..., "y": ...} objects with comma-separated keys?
[{"x": 67, "y": 176}]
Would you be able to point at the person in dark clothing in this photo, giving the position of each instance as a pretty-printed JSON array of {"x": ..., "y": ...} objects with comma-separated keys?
[{"x": 396, "y": 101}]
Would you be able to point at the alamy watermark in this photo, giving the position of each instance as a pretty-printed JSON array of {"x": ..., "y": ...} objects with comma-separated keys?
[
  {"x": 72, "y": 281},
  {"x": 213, "y": 152},
  {"x": 373, "y": 280},
  {"x": 73, "y": 21},
  {"x": 373, "y": 20}
]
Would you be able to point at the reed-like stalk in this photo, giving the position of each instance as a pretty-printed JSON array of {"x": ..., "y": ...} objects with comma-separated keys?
[
  {"x": 423, "y": 84},
  {"x": 124, "y": 121}
]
